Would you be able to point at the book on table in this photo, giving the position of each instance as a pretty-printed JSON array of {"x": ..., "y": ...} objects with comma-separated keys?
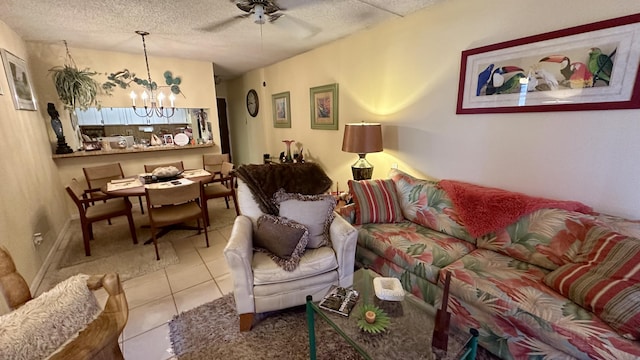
[{"x": 339, "y": 300}]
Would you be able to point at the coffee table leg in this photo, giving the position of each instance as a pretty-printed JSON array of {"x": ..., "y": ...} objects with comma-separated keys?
[
  {"x": 472, "y": 346},
  {"x": 312, "y": 331}
]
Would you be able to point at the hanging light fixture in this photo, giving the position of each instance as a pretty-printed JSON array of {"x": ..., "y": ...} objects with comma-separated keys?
[{"x": 153, "y": 100}]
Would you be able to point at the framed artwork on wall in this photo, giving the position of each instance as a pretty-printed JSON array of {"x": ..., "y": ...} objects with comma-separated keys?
[
  {"x": 281, "y": 110},
  {"x": 587, "y": 67},
  {"x": 19, "y": 81},
  {"x": 324, "y": 107}
]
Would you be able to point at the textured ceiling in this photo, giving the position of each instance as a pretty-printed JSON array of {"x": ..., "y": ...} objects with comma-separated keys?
[{"x": 206, "y": 30}]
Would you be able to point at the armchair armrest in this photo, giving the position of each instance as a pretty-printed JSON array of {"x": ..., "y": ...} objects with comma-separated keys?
[
  {"x": 99, "y": 340},
  {"x": 344, "y": 238},
  {"x": 239, "y": 255}
]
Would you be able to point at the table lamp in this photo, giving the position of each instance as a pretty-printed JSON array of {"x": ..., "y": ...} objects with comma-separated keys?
[{"x": 362, "y": 138}]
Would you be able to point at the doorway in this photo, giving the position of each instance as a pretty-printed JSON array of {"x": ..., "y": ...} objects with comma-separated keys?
[{"x": 225, "y": 146}]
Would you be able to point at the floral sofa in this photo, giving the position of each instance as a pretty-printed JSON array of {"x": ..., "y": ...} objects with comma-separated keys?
[{"x": 553, "y": 283}]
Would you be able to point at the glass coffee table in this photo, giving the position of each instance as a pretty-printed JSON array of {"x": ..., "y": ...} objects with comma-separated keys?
[{"x": 408, "y": 335}]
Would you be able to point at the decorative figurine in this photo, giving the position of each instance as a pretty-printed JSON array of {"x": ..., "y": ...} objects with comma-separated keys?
[{"x": 56, "y": 124}]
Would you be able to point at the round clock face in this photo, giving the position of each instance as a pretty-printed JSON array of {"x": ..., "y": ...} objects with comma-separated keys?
[{"x": 252, "y": 103}]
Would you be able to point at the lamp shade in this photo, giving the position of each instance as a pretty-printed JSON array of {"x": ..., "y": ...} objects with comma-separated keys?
[{"x": 362, "y": 138}]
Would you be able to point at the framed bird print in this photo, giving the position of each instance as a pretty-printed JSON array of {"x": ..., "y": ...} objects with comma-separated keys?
[{"x": 587, "y": 67}]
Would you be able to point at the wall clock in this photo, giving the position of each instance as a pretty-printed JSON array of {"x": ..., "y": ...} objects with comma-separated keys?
[{"x": 252, "y": 103}]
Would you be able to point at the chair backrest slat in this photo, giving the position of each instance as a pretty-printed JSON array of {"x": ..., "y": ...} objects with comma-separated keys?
[
  {"x": 173, "y": 195},
  {"x": 98, "y": 176},
  {"x": 213, "y": 162}
]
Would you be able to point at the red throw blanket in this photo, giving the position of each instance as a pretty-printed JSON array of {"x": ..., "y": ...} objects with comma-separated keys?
[{"x": 484, "y": 210}]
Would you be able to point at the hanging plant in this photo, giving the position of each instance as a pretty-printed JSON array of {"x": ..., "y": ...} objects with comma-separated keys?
[{"x": 76, "y": 88}]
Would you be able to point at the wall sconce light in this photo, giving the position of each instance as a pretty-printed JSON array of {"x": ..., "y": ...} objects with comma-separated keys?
[{"x": 362, "y": 138}]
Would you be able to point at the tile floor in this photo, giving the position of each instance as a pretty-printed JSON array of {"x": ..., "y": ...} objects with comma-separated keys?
[{"x": 202, "y": 275}]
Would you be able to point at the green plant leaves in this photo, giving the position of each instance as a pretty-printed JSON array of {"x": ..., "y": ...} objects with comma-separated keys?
[
  {"x": 76, "y": 88},
  {"x": 124, "y": 78}
]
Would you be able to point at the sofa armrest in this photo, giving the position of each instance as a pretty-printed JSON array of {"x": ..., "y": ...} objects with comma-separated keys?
[
  {"x": 344, "y": 238},
  {"x": 239, "y": 255}
]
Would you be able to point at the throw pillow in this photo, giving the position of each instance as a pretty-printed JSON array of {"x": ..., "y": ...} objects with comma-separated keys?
[
  {"x": 284, "y": 240},
  {"x": 38, "y": 328},
  {"x": 313, "y": 211},
  {"x": 606, "y": 280},
  {"x": 376, "y": 201}
]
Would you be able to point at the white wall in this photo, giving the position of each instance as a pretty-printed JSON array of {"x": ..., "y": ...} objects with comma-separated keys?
[{"x": 404, "y": 74}]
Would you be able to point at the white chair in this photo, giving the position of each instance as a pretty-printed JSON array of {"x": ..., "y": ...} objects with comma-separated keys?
[{"x": 317, "y": 271}]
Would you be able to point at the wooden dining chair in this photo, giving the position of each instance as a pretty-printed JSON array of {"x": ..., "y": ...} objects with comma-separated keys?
[
  {"x": 92, "y": 211},
  {"x": 224, "y": 187},
  {"x": 99, "y": 176},
  {"x": 178, "y": 164},
  {"x": 174, "y": 205},
  {"x": 213, "y": 163}
]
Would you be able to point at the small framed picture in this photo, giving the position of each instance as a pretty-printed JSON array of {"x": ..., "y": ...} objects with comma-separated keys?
[
  {"x": 324, "y": 107},
  {"x": 281, "y": 110},
  {"x": 19, "y": 81},
  {"x": 168, "y": 139}
]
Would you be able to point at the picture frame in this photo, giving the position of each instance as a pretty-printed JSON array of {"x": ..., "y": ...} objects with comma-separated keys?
[
  {"x": 555, "y": 71},
  {"x": 281, "y": 104},
  {"x": 168, "y": 139},
  {"x": 19, "y": 80},
  {"x": 324, "y": 107}
]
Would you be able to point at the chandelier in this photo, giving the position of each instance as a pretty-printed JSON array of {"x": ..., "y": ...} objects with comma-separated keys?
[{"x": 153, "y": 99}]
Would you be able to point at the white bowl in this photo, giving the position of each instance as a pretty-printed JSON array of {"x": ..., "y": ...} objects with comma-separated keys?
[{"x": 388, "y": 288}]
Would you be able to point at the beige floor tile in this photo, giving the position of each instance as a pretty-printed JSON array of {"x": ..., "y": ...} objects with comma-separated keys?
[
  {"x": 197, "y": 295},
  {"x": 218, "y": 267},
  {"x": 226, "y": 231},
  {"x": 186, "y": 260},
  {"x": 225, "y": 283},
  {"x": 184, "y": 277},
  {"x": 183, "y": 247},
  {"x": 149, "y": 316},
  {"x": 151, "y": 345},
  {"x": 146, "y": 288},
  {"x": 213, "y": 252}
]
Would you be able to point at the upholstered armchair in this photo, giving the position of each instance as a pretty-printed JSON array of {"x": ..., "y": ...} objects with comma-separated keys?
[{"x": 260, "y": 285}]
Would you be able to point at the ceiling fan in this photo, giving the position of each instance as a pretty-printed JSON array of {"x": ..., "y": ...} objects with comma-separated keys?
[{"x": 261, "y": 10}]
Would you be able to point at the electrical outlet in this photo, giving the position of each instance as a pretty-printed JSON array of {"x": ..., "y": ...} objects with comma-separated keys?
[
  {"x": 394, "y": 165},
  {"x": 37, "y": 238}
]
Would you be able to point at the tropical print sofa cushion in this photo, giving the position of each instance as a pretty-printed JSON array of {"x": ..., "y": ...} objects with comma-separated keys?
[
  {"x": 424, "y": 203},
  {"x": 416, "y": 248},
  {"x": 516, "y": 314},
  {"x": 548, "y": 238},
  {"x": 605, "y": 279},
  {"x": 376, "y": 201}
]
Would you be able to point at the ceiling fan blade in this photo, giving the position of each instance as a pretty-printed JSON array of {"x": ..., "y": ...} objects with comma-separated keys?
[
  {"x": 223, "y": 24},
  {"x": 296, "y": 27}
]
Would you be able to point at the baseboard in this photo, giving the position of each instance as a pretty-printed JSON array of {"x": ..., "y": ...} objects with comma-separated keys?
[{"x": 35, "y": 284}]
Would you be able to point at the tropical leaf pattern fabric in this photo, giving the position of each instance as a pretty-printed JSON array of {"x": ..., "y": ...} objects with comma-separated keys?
[
  {"x": 424, "y": 203},
  {"x": 497, "y": 283},
  {"x": 415, "y": 248},
  {"x": 507, "y": 301},
  {"x": 548, "y": 238}
]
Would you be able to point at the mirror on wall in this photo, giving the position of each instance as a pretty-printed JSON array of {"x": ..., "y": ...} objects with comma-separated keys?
[{"x": 111, "y": 121}]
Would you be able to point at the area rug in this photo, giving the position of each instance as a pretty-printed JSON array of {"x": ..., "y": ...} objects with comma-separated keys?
[
  {"x": 211, "y": 331},
  {"x": 115, "y": 238},
  {"x": 113, "y": 250}
]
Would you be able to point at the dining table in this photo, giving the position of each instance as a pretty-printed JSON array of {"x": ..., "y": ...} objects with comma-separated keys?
[{"x": 135, "y": 186}]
